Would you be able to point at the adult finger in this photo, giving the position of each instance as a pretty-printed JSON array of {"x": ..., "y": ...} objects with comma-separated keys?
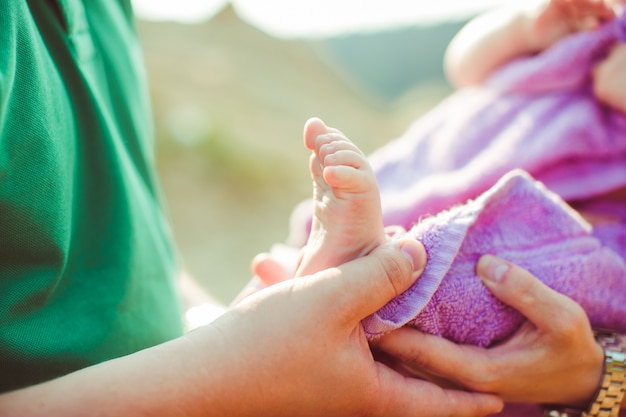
[
  {"x": 434, "y": 358},
  {"x": 361, "y": 287},
  {"x": 544, "y": 307},
  {"x": 410, "y": 397}
]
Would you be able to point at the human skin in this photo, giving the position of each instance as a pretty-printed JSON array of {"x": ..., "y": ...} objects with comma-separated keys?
[
  {"x": 498, "y": 37},
  {"x": 609, "y": 82},
  {"x": 537, "y": 364},
  {"x": 295, "y": 349},
  {"x": 347, "y": 216}
]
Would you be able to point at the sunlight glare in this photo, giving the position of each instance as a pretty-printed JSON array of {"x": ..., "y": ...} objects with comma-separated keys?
[
  {"x": 313, "y": 18},
  {"x": 288, "y": 18},
  {"x": 186, "y": 11}
]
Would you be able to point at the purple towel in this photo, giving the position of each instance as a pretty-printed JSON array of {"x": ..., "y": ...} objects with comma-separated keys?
[{"x": 519, "y": 220}]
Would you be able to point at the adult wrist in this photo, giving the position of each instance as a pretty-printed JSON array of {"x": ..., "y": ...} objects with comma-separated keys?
[{"x": 610, "y": 394}]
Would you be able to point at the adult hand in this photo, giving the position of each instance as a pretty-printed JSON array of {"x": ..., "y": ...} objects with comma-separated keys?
[
  {"x": 609, "y": 83},
  {"x": 298, "y": 348},
  {"x": 552, "y": 358},
  {"x": 294, "y": 349}
]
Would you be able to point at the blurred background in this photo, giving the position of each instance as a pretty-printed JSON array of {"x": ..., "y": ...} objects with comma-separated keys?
[{"x": 232, "y": 84}]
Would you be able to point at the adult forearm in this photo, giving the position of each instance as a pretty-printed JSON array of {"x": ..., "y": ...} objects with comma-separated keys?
[{"x": 177, "y": 378}]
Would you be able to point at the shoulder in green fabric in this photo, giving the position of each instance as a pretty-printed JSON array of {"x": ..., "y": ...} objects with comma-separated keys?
[{"x": 86, "y": 262}]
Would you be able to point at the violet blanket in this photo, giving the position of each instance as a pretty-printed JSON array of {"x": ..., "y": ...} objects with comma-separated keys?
[
  {"x": 451, "y": 179},
  {"x": 538, "y": 114}
]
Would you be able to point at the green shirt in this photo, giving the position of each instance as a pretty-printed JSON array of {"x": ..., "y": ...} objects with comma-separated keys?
[{"x": 86, "y": 264}]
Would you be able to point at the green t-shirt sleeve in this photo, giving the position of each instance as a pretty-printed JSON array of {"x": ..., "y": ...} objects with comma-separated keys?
[{"x": 87, "y": 266}]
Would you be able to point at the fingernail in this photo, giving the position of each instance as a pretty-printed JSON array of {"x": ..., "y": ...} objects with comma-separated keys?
[
  {"x": 415, "y": 252},
  {"x": 491, "y": 268}
]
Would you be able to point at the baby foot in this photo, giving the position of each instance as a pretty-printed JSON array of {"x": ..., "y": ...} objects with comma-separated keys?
[{"x": 347, "y": 216}]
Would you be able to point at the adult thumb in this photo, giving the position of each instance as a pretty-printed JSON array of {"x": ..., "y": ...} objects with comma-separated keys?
[
  {"x": 525, "y": 293},
  {"x": 368, "y": 283}
]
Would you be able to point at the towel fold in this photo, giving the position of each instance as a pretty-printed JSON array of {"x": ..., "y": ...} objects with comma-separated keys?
[{"x": 519, "y": 220}]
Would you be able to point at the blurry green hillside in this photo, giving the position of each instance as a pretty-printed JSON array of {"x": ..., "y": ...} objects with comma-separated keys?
[
  {"x": 390, "y": 63},
  {"x": 230, "y": 103}
]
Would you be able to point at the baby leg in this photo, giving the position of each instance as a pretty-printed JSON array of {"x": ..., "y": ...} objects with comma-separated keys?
[{"x": 347, "y": 217}]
